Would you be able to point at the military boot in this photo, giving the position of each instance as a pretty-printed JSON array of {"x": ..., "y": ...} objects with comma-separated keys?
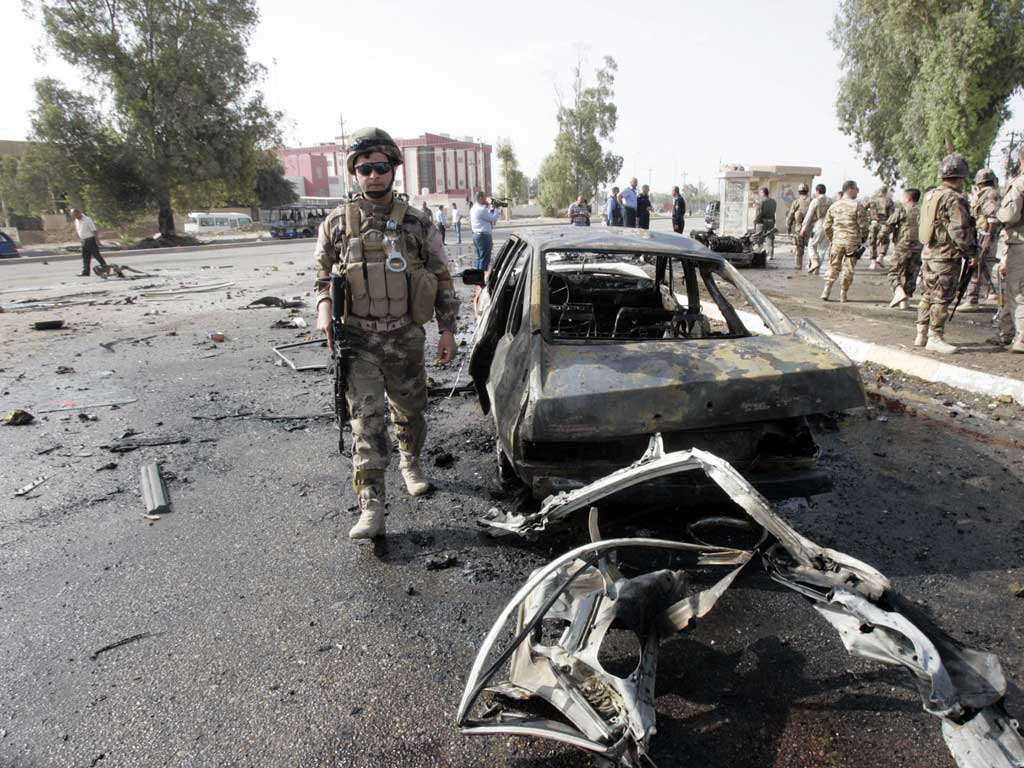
[
  {"x": 904, "y": 304},
  {"x": 416, "y": 483},
  {"x": 938, "y": 344},
  {"x": 922, "y": 335},
  {"x": 825, "y": 293},
  {"x": 371, "y": 516},
  {"x": 899, "y": 297},
  {"x": 843, "y": 295},
  {"x": 1018, "y": 345},
  {"x": 873, "y": 264}
]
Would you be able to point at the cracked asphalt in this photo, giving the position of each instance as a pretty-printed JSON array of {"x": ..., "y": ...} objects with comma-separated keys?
[{"x": 270, "y": 639}]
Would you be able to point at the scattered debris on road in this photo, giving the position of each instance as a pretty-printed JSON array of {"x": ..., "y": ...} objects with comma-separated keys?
[
  {"x": 17, "y": 418},
  {"x": 441, "y": 561},
  {"x": 119, "y": 643},
  {"x": 297, "y": 345},
  {"x": 29, "y": 487},
  {"x": 47, "y": 325},
  {"x": 132, "y": 444},
  {"x": 154, "y": 491},
  {"x": 274, "y": 301}
]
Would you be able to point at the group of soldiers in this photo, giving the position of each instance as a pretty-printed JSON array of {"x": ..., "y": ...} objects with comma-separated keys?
[{"x": 936, "y": 241}]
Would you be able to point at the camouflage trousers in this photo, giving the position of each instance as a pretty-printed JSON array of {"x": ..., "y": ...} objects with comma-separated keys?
[
  {"x": 982, "y": 275},
  {"x": 905, "y": 266},
  {"x": 801, "y": 244},
  {"x": 939, "y": 281},
  {"x": 877, "y": 239},
  {"x": 385, "y": 363},
  {"x": 841, "y": 261},
  {"x": 1011, "y": 316},
  {"x": 767, "y": 241}
]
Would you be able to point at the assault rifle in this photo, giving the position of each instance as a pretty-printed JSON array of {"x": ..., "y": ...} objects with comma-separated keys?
[
  {"x": 341, "y": 356},
  {"x": 966, "y": 273}
]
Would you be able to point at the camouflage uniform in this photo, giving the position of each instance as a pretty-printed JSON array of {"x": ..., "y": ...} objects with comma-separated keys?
[
  {"x": 794, "y": 224},
  {"x": 814, "y": 230},
  {"x": 387, "y": 347},
  {"x": 880, "y": 208},
  {"x": 1011, "y": 252},
  {"x": 903, "y": 226},
  {"x": 952, "y": 240},
  {"x": 983, "y": 211},
  {"x": 846, "y": 227},
  {"x": 764, "y": 221}
]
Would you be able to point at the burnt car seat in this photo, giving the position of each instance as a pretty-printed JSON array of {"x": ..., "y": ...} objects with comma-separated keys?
[{"x": 573, "y": 320}]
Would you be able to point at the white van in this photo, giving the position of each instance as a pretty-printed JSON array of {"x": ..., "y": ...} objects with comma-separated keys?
[{"x": 199, "y": 223}]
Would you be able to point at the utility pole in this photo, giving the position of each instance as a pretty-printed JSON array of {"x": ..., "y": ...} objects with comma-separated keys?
[{"x": 343, "y": 170}]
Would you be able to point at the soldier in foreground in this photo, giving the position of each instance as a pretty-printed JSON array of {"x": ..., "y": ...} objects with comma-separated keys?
[
  {"x": 1011, "y": 262},
  {"x": 795, "y": 221},
  {"x": 846, "y": 227},
  {"x": 903, "y": 226},
  {"x": 986, "y": 203},
  {"x": 397, "y": 279},
  {"x": 764, "y": 222},
  {"x": 880, "y": 208},
  {"x": 947, "y": 233},
  {"x": 813, "y": 228}
]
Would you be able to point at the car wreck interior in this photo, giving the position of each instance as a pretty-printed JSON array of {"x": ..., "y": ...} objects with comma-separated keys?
[{"x": 626, "y": 296}]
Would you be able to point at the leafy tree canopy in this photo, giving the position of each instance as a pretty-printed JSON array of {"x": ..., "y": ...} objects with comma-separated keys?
[
  {"x": 579, "y": 163},
  {"x": 924, "y": 76},
  {"x": 513, "y": 184},
  {"x": 180, "y": 110}
]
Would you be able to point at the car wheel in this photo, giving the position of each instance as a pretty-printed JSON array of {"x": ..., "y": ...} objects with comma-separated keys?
[
  {"x": 307, "y": 233},
  {"x": 507, "y": 477}
]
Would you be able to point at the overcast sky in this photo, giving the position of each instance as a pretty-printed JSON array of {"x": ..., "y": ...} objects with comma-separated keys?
[{"x": 699, "y": 83}]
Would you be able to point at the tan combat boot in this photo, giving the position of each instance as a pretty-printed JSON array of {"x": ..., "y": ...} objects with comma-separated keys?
[
  {"x": 922, "y": 335},
  {"x": 899, "y": 297},
  {"x": 904, "y": 304},
  {"x": 843, "y": 294},
  {"x": 371, "y": 517},
  {"x": 826, "y": 292},
  {"x": 416, "y": 483},
  {"x": 873, "y": 264},
  {"x": 1018, "y": 345},
  {"x": 938, "y": 344}
]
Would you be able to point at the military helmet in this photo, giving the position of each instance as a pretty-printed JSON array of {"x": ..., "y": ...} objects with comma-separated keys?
[
  {"x": 367, "y": 140},
  {"x": 953, "y": 167},
  {"x": 802, "y": 189},
  {"x": 985, "y": 176}
]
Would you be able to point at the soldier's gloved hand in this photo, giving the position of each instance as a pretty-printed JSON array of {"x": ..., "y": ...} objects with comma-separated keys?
[
  {"x": 446, "y": 348},
  {"x": 324, "y": 321}
]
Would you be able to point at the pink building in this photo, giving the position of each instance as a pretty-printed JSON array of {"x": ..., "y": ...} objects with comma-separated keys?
[{"x": 434, "y": 165}]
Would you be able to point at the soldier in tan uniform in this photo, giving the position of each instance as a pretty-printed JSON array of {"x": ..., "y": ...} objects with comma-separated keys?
[
  {"x": 846, "y": 227},
  {"x": 983, "y": 210},
  {"x": 764, "y": 222},
  {"x": 395, "y": 268},
  {"x": 813, "y": 228},
  {"x": 794, "y": 223},
  {"x": 947, "y": 233},
  {"x": 880, "y": 208},
  {"x": 1011, "y": 262},
  {"x": 903, "y": 226}
]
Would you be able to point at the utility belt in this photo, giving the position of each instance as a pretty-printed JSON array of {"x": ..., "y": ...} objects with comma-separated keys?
[{"x": 388, "y": 287}]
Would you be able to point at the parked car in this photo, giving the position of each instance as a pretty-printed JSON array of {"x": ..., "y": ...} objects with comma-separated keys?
[
  {"x": 8, "y": 248},
  {"x": 590, "y": 341}
]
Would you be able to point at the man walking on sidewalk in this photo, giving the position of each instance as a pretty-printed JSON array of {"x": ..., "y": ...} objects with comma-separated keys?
[
  {"x": 948, "y": 236},
  {"x": 1011, "y": 262},
  {"x": 903, "y": 226},
  {"x": 86, "y": 229},
  {"x": 846, "y": 227},
  {"x": 794, "y": 223},
  {"x": 813, "y": 228},
  {"x": 764, "y": 222}
]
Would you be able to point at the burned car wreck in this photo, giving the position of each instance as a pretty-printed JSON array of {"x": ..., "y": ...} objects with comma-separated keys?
[
  {"x": 745, "y": 251},
  {"x": 589, "y": 341},
  {"x": 556, "y": 684}
]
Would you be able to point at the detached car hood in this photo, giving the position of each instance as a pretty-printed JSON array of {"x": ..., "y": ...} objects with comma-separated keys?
[{"x": 658, "y": 386}]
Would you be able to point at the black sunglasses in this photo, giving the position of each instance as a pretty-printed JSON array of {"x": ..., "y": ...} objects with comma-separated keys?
[{"x": 365, "y": 169}]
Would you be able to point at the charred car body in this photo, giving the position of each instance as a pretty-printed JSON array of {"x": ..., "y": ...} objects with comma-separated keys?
[
  {"x": 590, "y": 341},
  {"x": 745, "y": 251}
]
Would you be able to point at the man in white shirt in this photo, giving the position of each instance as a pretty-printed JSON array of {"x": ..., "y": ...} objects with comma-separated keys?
[
  {"x": 457, "y": 221},
  {"x": 628, "y": 199},
  {"x": 482, "y": 217},
  {"x": 86, "y": 229},
  {"x": 441, "y": 221}
]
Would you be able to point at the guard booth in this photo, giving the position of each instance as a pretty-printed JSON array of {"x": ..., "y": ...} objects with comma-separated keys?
[{"x": 739, "y": 189}]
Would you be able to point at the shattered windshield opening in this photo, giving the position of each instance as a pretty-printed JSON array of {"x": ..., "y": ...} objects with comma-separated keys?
[{"x": 624, "y": 296}]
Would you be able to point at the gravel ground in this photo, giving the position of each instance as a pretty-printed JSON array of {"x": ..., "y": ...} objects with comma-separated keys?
[{"x": 273, "y": 640}]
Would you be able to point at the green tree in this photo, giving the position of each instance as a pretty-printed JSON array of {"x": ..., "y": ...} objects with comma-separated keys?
[
  {"x": 579, "y": 163},
  {"x": 272, "y": 188},
  {"x": 513, "y": 184},
  {"x": 180, "y": 109},
  {"x": 925, "y": 76},
  {"x": 8, "y": 187}
]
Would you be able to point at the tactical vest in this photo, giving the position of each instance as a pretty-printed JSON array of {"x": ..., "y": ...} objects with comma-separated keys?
[
  {"x": 386, "y": 278},
  {"x": 929, "y": 210}
]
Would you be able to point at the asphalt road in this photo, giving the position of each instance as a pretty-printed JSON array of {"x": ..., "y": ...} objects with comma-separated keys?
[{"x": 271, "y": 640}]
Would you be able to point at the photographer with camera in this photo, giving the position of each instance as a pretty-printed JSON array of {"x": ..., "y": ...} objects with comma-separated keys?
[{"x": 482, "y": 218}]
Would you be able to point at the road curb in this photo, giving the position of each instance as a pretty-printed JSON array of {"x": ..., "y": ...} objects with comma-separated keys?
[
  {"x": 112, "y": 255},
  {"x": 929, "y": 369}
]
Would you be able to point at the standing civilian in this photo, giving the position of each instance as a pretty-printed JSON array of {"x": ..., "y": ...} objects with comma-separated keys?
[
  {"x": 613, "y": 209},
  {"x": 579, "y": 212},
  {"x": 86, "y": 229},
  {"x": 678, "y": 211},
  {"x": 441, "y": 221},
  {"x": 814, "y": 228},
  {"x": 482, "y": 217},
  {"x": 643, "y": 208},
  {"x": 457, "y": 221},
  {"x": 628, "y": 202}
]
